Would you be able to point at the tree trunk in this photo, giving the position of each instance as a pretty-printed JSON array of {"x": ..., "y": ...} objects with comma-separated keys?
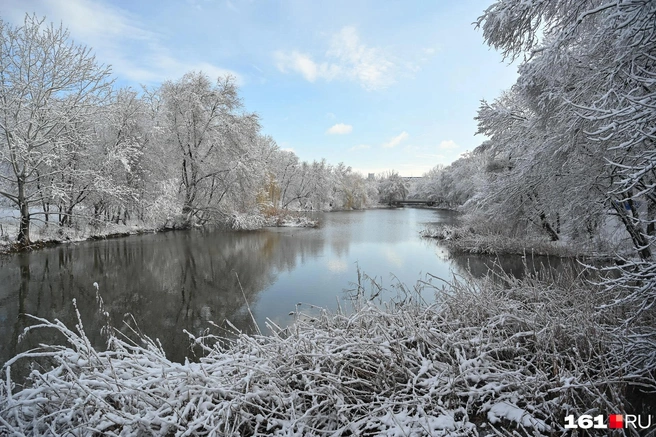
[
  {"x": 547, "y": 227},
  {"x": 24, "y": 226},
  {"x": 190, "y": 187},
  {"x": 631, "y": 225},
  {"x": 651, "y": 218}
]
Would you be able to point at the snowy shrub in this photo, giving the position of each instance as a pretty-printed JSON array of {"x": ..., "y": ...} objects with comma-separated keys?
[
  {"x": 270, "y": 218},
  {"x": 247, "y": 221},
  {"x": 483, "y": 360},
  {"x": 465, "y": 239},
  {"x": 297, "y": 221},
  {"x": 445, "y": 232}
]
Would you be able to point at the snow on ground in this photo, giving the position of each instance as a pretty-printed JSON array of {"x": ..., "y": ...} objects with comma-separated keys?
[
  {"x": 483, "y": 360},
  {"x": 52, "y": 232},
  {"x": 465, "y": 239},
  {"x": 248, "y": 221}
]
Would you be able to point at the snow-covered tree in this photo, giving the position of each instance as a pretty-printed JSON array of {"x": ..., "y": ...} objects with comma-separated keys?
[
  {"x": 283, "y": 172},
  {"x": 120, "y": 156},
  {"x": 392, "y": 187},
  {"x": 207, "y": 141},
  {"x": 350, "y": 190},
  {"x": 454, "y": 185},
  {"x": 48, "y": 86},
  {"x": 589, "y": 78}
]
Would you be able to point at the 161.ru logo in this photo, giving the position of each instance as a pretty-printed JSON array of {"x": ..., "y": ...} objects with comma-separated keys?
[{"x": 587, "y": 421}]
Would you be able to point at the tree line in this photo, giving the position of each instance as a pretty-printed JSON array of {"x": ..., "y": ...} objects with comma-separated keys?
[{"x": 75, "y": 150}]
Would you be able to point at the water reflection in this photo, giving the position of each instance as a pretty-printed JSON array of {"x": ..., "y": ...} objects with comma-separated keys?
[
  {"x": 181, "y": 280},
  {"x": 167, "y": 282},
  {"x": 513, "y": 265}
]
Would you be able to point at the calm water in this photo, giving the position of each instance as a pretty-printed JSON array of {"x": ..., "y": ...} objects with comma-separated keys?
[{"x": 181, "y": 280}]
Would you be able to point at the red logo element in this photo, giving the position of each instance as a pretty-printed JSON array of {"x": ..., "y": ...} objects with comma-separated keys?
[{"x": 616, "y": 421}]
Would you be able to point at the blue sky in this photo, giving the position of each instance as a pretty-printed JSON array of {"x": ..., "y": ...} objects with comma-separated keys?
[{"x": 378, "y": 85}]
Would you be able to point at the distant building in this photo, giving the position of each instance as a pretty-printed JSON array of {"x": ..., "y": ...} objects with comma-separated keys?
[{"x": 371, "y": 176}]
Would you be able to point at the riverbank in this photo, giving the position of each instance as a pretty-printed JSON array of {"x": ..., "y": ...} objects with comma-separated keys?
[
  {"x": 483, "y": 360},
  {"x": 271, "y": 219},
  {"x": 465, "y": 240},
  {"x": 54, "y": 235},
  {"x": 43, "y": 236}
]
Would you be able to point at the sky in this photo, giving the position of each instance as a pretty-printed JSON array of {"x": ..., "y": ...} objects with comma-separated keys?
[{"x": 377, "y": 85}]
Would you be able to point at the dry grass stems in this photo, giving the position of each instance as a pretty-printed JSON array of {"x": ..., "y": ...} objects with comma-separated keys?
[{"x": 484, "y": 359}]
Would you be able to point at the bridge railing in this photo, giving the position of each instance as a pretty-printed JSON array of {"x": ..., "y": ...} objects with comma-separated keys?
[{"x": 413, "y": 202}]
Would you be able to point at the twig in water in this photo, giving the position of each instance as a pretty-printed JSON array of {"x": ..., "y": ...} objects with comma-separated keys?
[{"x": 247, "y": 305}]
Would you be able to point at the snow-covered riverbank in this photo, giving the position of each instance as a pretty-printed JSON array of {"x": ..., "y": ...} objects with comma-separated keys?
[
  {"x": 466, "y": 240},
  {"x": 45, "y": 236},
  {"x": 53, "y": 234},
  {"x": 483, "y": 360}
]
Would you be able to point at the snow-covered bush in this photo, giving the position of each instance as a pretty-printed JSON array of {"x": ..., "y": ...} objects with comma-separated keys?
[
  {"x": 484, "y": 359},
  {"x": 445, "y": 232},
  {"x": 466, "y": 239},
  {"x": 297, "y": 221},
  {"x": 247, "y": 221}
]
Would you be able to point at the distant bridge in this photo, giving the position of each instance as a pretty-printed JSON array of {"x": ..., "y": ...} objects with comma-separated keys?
[{"x": 412, "y": 202}]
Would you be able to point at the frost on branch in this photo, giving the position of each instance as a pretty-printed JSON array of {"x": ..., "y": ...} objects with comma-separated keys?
[{"x": 579, "y": 126}]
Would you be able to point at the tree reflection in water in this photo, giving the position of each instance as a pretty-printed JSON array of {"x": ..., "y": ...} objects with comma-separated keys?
[
  {"x": 167, "y": 282},
  {"x": 176, "y": 281}
]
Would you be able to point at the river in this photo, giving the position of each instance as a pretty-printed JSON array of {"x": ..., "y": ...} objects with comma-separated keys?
[{"x": 168, "y": 282}]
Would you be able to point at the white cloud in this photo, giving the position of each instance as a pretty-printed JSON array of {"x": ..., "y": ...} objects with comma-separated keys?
[
  {"x": 346, "y": 59},
  {"x": 194, "y": 4},
  {"x": 395, "y": 141},
  {"x": 231, "y": 6},
  {"x": 97, "y": 21},
  {"x": 360, "y": 147},
  {"x": 448, "y": 145},
  {"x": 340, "y": 129},
  {"x": 427, "y": 53},
  {"x": 298, "y": 63},
  {"x": 369, "y": 66},
  {"x": 170, "y": 68},
  {"x": 115, "y": 36}
]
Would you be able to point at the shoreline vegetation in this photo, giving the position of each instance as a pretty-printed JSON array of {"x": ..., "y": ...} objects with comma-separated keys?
[
  {"x": 465, "y": 239},
  {"x": 484, "y": 359},
  {"x": 458, "y": 238},
  {"x": 56, "y": 235}
]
